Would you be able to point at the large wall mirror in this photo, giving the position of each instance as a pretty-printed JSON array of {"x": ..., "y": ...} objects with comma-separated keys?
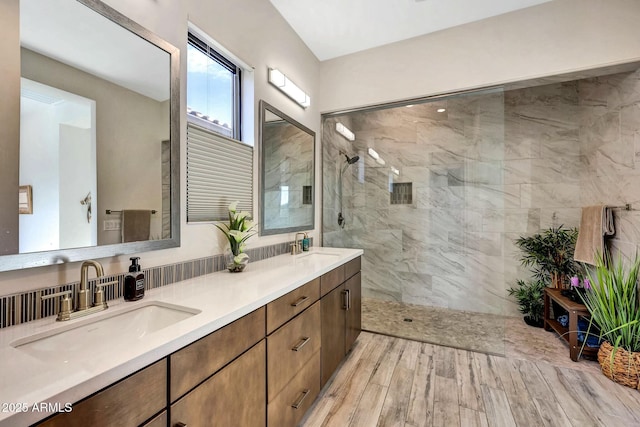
[
  {"x": 287, "y": 173},
  {"x": 94, "y": 169}
]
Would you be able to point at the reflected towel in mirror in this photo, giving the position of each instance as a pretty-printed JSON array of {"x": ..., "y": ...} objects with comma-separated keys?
[{"x": 136, "y": 225}]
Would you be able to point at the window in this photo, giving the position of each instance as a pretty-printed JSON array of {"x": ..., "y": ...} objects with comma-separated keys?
[
  {"x": 213, "y": 89},
  {"x": 219, "y": 165}
]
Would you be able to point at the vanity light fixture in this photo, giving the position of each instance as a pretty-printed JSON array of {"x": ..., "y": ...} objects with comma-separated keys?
[
  {"x": 395, "y": 171},
  {"x": 441, "y": 110},
  {"x": 381, "y": 161},
  {"x": 344, "y": 131},
  {"x": 289, "y": 88},
  {"x": 373, "y": 153}
]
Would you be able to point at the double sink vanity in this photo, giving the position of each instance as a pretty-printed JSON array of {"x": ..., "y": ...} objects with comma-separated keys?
[{"x": 222, "y": 349}]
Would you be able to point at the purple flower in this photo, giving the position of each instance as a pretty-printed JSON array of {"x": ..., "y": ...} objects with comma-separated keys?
[
  {"x": 587, "y": 284},
  {"x": 575, "y": 282}
]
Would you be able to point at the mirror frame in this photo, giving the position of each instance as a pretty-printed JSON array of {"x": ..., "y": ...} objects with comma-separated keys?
[
  {"x": 38, "y": 259},
  {"x": 264, "y": 106}
]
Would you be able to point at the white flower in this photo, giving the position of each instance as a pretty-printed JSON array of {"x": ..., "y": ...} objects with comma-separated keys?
[
  {"x": 248, "y": 225},
  {"x": 237, "y": 235},
  {"x": 233, "y": 206}
]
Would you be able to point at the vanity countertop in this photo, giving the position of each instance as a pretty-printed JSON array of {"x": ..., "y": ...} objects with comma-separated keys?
[{"x": 220, "y": 298}]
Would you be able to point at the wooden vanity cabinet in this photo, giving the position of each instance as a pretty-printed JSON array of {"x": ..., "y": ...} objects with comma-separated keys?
[
  {"x": 233, "y": 397},
  {"x": 265, "y": 368},
  {"x": 129, "y": 402},
  {"x": 341, "y": 314}
]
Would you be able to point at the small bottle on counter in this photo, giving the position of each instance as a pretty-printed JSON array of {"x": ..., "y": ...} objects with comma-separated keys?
[
  {"x": 305, "y": 242},
  {"x": 134, "y": 281}
]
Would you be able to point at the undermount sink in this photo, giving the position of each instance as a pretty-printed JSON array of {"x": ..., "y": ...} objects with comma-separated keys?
[
  {"x": 316, "y": 254},
  {"x": 104, "y": 331}
]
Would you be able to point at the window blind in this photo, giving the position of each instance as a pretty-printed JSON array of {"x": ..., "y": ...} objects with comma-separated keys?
[{"x": 219, "y": 172}]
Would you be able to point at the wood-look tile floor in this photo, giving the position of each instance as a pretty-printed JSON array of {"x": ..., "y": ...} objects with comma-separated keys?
[{"x": 387, "y": 381}]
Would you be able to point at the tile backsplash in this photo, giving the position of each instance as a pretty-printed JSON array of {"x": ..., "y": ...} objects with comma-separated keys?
[{"x": 27, "y": 306}]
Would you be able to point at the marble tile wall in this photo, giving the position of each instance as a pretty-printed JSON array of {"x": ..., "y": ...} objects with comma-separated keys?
[
  {"x": 610, "y": 142},
  {"x": 492, "y": 167}
]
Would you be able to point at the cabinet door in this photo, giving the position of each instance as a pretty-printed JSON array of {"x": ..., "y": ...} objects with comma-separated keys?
[
  {"x": 235, "y": 396},
  {"x": 333, "y": 331},
  {"x": 353, "y": 289},
  {"x": 126, "y": 403}
]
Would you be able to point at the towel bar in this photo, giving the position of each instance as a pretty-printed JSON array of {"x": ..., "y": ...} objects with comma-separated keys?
[
  {"x": 626, "y": 207},
  {"x": 109, "y": 211}
]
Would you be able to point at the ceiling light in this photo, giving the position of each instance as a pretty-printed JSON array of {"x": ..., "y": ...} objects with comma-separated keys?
[
  {"x": 395, "y": 171},
  {"x": 381, "y": 161},
  {"x": 344, "y": 131},
  {"x": 409, "y": 106},
  {"x": 373, "y": 153},
  {"x": 282, "y": 82},
  {"x": 441, "y": 110}
]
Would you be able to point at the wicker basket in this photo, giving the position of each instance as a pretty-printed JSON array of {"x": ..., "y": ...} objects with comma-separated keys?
[{"x": 623, "y": 368}]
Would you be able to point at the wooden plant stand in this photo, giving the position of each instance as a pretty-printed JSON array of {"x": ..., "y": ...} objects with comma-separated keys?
[{"x": 570, "y": 333}]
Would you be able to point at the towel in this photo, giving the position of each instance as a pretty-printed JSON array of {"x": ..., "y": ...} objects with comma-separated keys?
[
  {"x": 136, "y": 225},
  {"x": 596, "y": 222}
]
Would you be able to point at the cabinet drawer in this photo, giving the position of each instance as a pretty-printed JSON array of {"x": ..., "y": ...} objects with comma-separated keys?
[
  {"x": 288, "y": 306},
  {"x": 158, "y": 421},
  {"x": 234, "y": 397},
  {"x": 290, "y": 405},
  {"x": 199, "y": 360},
  {"x": 330, "y": 280},
  {"x": 352, "y": 267},
  {"x": 290, "y": 347},
  {"x": 128, "y": 402}
]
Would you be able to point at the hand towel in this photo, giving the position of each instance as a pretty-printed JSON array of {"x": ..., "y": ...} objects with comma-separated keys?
[
  {"x": 595, "y": 224},
  {"x": 135, "y": 225}
]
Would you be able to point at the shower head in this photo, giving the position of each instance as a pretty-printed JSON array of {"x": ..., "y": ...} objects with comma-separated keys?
[{"x": 351, "y": 160}]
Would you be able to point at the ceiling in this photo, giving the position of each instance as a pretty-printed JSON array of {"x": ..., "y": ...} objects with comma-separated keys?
[{"x": 332, "y": 28}]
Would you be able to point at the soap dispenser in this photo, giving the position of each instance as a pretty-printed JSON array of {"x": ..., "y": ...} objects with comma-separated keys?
[
  {"x": 305, "y": 242},
  {"x": 134, "y": 281}
]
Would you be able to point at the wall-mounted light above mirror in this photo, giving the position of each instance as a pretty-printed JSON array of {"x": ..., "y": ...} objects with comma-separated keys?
[
  {"x": 287, "y": 151},
  {"x": 98, "y": 131}
]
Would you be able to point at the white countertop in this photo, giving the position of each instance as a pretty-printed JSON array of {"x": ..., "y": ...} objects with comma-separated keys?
[{"x": 220, "y": 297}]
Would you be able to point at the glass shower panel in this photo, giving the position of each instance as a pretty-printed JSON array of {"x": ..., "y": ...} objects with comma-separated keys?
[{"x": 426, "y": 201}]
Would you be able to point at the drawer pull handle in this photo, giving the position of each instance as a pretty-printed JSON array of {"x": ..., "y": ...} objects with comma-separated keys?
[
  {"x": 179, "y": 424},
  {"x": 348, "y": 291},
  {"x": 301, "y": 344},
  {"x": 345, "y": 300},
  {"x": 298, "y": 402},
  {"x": 299, "y": 301}
]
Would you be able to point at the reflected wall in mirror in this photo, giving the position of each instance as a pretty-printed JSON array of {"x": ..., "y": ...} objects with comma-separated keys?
[
  {"x": 98, "y": 134},
  {"x": 287, "y": 177}
]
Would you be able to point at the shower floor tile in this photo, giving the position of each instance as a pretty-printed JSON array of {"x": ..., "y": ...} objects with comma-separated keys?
[{"x": 486, "y": 333}]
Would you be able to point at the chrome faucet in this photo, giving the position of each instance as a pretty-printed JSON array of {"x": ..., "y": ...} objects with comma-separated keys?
[
  {"x": 296, "y": 246},
  {"x": 86, "y": 303}
]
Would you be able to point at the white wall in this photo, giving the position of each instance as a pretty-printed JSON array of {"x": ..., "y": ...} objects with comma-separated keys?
[
  {"x": 555, "y": 37},
  {"x": 256, "y": 33}
]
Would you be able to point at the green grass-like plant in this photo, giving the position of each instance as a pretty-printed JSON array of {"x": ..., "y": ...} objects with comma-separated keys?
[{"x": 613, "y": 301}]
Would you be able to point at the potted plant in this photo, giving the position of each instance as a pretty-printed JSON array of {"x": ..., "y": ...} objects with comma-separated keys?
[
  {"x": 239, "y": 229},
  {"x": 530, "y": 299},
  {"x": 550, "y": 254},
  {"x": 613, "y": 303}
]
